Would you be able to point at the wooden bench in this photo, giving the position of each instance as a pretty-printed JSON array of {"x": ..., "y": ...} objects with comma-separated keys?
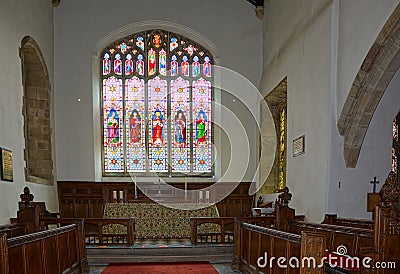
[
  {"x": 255, "y": 246},
  {"x": 60, "y": 250}
]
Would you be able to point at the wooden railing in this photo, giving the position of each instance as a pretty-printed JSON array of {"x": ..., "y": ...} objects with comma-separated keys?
[
  {"x": 205, "y": 230},
  {"x": 96, "y": 232},
  {"x": 60, "y": 250},
  {"x": 332, "y": 219},
  {"x": 255, "y": 245}
]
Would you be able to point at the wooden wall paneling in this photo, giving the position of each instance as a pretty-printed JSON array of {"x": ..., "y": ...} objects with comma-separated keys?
[{"x": 33, "y": 256}]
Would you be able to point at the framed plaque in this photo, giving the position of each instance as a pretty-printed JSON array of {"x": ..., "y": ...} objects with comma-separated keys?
[
  {"x": 298, "y": 146},
  {"x": 6, "y": 165}
]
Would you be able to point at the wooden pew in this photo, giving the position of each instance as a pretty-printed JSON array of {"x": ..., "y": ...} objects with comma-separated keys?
[
  {"x": 95, "y": 229},
  {"x": 255, "y": 246},
  {"x": 60, "y": 250}
]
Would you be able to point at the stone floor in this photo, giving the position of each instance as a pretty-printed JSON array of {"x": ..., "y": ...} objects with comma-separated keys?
[{"x": 222, "y": 268}]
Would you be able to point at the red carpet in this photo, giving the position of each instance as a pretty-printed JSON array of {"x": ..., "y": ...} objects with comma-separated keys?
[{"x": 160, "y": 268}]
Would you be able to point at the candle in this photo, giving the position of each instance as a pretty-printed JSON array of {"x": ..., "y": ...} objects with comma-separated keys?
[
  {"x": 121, "y": 194},
  {"x": 115, "y": 195},
  {"x": 207, "y": 195},
  {"x": 185, "y": 183},
  {"x": 200, "y": 195}
]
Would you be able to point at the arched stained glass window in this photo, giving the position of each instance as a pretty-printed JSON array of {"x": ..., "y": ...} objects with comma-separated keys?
[{"x": 157, "y": 92}]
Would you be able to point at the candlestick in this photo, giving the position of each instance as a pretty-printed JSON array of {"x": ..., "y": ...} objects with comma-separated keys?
[
  {"x": 207, "y": 195},
  {"x": 135, "y": 189},
  {"x": 121, "y": 196},
  {"x": 185, "y": 188},
  {"x": 115, "y": 196},
  {"x": 201, "y": 195}
]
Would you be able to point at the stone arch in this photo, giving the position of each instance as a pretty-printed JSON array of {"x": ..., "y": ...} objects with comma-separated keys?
[
  {"x": 38, "y": 153},
  {"x": 369, "y": 85}
]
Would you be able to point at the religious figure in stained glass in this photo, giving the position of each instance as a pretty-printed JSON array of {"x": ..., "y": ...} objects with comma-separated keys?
[
  {"x": 118, "y": 64},
  {"x": 207, "y": 67},
  {"x": 113, "y": 127},
  {"x": 140, "y": 65},
  {"x": 128, "y": 65},
  {"x": 201, "y": 127},
  {"x": 135, "y": 127},
  {"x": 174, "y": 66},
  {"x": 106, "y": 64},
  {"x": 152, "y": 62},
  {"x": 180, "y": 128},
  {"x": 157, "y": 124},
  {"x": 185, "y": 66}
]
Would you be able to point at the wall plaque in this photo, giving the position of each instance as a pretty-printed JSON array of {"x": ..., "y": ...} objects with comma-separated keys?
[
  {"x": 6, "y": 165},
  {"x": 298, "y": 146}
]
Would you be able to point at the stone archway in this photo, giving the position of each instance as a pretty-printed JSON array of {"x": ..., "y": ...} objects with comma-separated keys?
[
  {"x": 375, "y": 74},
  {"x": 38, "y": 153}
]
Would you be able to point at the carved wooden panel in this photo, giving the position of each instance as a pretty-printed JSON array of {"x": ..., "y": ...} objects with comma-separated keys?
[{"x": 87, "y": 199}]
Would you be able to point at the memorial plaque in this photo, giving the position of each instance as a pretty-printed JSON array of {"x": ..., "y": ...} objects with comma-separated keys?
[
  {"x": 298, "y": 146},
  {"x": 6, "y": 165}
]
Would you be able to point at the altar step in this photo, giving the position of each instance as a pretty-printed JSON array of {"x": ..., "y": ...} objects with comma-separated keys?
[{"x": 212, "y": 253}]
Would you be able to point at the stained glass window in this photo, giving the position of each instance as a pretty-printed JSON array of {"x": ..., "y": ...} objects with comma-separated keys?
[{"x": 157, "y": 92}]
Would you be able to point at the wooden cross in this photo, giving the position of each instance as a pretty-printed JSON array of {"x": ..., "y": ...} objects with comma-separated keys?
[{"x": 374, "y": 182}]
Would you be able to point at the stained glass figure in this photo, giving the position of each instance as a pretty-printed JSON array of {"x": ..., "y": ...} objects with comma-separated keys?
[
  {"x": 151, "y": 62},
  {"x": 118, "y": 64},
  {"x": 140, "y": 43},
  {"x": 190, "y": 49},
  {"x": 128, "y": 65},
  {"x": 157, "y": 40},
  {"x": 207, "y": 67},
  {"x": 174, "y": 44},
  {"x": 163, "y": 62},
  {"x": 174, "y": 66},
  {"x": 106, "y": 64},
  {"x": 185, "y": 66},
  {"x": 140, "y": 65},
  {"x": 196, "y": 66}
]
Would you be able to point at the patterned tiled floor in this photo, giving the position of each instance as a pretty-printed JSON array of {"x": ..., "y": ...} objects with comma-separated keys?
[{"x": 221, "y": 268}]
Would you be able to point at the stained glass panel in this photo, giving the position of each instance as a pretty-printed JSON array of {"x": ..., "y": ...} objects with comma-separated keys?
[
  {"x": 158, "y": 127},
  {"x": 140, "y": 65},
  {"x": 112, "y": 121},
  {"x": 180, "y": 98},
  {"x": 207, "y": 67},
  {"x": 135, "y": 125},
  {"x": 163, "y": 62},
  {"x": 174, "y": 66},
  {"x": 151, "y": 62},
  {"x": 118, "y": 64},
  {"x": 106, "y": 64},
  {"x": 196, "y": 67},
  {"x": 185, "y": 66},
  {"x": 128, "y": 65},
  {"x": 202, "y": 123}
]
